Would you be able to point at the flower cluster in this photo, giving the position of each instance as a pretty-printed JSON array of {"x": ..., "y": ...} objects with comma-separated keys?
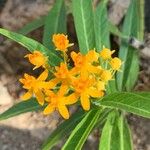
[{"x": 85, "y": 80}]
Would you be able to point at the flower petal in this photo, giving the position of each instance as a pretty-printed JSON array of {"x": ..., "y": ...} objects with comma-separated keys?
[
  {"x": 48, "y": 110},
  {"x": 85, "y": 102},
  {"x": 71, "y": 99},
  {"x": 63, "y": 111},
  {"x": 92, "y": 56},
  {"x": 95, "y": 93},
  {"x": 49, "y": 93},
  {"x": 84, "y": 73},
  {"x": 26, "y": 96},
  {"x": 43, "y": 75},
  {"x": 50, "y": 84},
  {"x": 63, "y": 89},
  {"x": 73, "y": 55},
  {"x": 94, "y": 69},
  {"x": 40, "y": 97}
]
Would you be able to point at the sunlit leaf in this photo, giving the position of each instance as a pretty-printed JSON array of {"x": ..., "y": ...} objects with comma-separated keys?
[
  {"x": 101, "y": 26},
  {"x": 139, "y": 34},
  {"x": 128, "y": 54},
  {"x": 21, "y": 107},
  {"x": 109, "y": 139},
  {"x": 63, "y": 130},
  {"x": 82, "y": 130},
  {"x": 84, "y": 24},
  {"x": 135, "y": 103},
  {"x": 115, "y": 134},
  {"x": 125, "y": 135}
]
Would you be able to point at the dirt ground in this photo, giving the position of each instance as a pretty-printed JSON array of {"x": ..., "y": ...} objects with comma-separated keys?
[{"x": 28, "y": 131}]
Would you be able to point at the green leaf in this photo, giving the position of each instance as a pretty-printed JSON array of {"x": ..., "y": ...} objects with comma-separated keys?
[
  {"x": 55, "y": 23},
  {"x": 135, "y": 103},
  {"x": 115, "y": 134},
  {"x": 114, "y": 30},
  {"x": 110, "y": 134},
  {"x": 101, "y": 26},
  {"x": 31, "y": 45},
  {"x": 140, "y": 20},
  {"x": 82, "y": 130},
  {"x": 125, "y": 135},
  {"x": 133, "y": 75},
  {"x": 22, "y": 107},
  {"x": 63, "y": 130},
  {"x": 111, "y": 87},
  {"x": 144, "y": 94},
  {"x": 84, "y": 24},
  {"x": 139, "y": 34},
  {"x": 103, "y": 117},
  {"x": 128, "y": 53},
  {"x": 32, "y": 25}
]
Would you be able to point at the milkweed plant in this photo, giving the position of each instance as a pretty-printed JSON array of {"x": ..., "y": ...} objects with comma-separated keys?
[{"x": 97, "y": 81}]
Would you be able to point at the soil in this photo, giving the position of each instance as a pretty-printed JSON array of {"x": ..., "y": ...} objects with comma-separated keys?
[{"x": 28, "y": 131}]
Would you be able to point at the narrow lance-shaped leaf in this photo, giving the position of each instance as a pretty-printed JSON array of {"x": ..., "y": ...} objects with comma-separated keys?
[
  {"x": 138, "y": 33},
  {"x": 84, "y": 24},
  {"x": 31, "y": 45},
  {"x": 126, "y": 52},
  {"x": 31, "y": 26},
  {"x": 140, "y": 19},
  {"x": 115, "y": 134},
  {"x": 135, "y": 103},
  {"x": 109, "y": 139},
  {"x": 63, "y": 130},
  {"x": 103, "y": 117},
  {"x": 82, "y": 130},
  {"x": 101, "y": 26},
  {"x": 133, "y": 73},
  {"x": 55, "y": 23},
  {"x": 125, "y": 135},
  {"x": 21, "y": 107},
  {"x": 114, "y": 30}
]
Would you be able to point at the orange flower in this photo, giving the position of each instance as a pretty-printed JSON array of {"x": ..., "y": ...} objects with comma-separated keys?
[
  {"x": 35, "y": 86},
  {"x": 87, "y": 79},
  {"x": 57, "y": 101},
  {"x": 37, "y": 59},
  {"x": 84, "y": 88},
  {"x": 64, "y": 75},
  {"x": 106, "y": 53},
  {"x": 61, "y": 42},
  {"x": 62, "y": 72},
  {"x": 83, "y": 64},
  {"x": 115, "y": 63}
]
